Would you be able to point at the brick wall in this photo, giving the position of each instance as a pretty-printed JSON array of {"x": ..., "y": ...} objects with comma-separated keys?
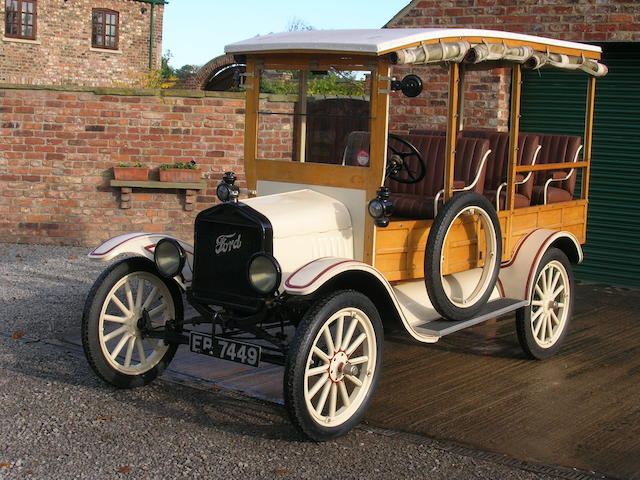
[
  {"x": 57, "y": 148},
  {"x": 62, "y": 54},
  {"x": 486, "y": 106}
]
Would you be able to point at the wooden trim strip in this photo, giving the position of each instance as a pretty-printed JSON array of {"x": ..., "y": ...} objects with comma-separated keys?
[
  {"x": 550, "y": 166},
  {"x": 453, "y": 125},
  {"x": 514, "y": 132},
  {"x": 252, "y": 94},
  {"x": 588, "y": 136}
]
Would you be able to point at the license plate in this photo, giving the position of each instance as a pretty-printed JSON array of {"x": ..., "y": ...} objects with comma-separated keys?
[{"x": 226, "y": 349}]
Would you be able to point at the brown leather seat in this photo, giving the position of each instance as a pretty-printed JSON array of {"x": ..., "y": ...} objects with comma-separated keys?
[
  {"x": 498, "y": 163},
  {"x": 418, "y": 200},
  {"x": 560, "y": 184}
]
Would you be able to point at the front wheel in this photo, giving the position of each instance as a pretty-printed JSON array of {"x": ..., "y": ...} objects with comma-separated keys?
[
  {"x": 333, "y": 365},
  {"x": 543, "y": 325},
  {"x": 114, "y": 318}
]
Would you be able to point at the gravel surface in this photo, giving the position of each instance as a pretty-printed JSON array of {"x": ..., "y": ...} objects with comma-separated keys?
[{"x": 58, "y": 420}]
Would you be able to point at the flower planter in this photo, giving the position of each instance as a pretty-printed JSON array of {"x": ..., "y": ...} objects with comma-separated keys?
[
  {"x": 179, "y": 175},
  {"x": 131, "y": 173}
]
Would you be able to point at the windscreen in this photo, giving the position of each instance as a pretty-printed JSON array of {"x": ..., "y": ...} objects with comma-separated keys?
[{"x": 315, "y": 116}]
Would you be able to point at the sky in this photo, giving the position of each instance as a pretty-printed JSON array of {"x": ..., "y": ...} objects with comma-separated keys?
[{"x": 195, "y": 31}]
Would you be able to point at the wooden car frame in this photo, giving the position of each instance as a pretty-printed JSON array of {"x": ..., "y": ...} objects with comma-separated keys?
[{"x": 298, "y": 273}]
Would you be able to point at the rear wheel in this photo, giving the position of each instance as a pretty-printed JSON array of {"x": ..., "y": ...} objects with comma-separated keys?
[
  {"x": 113, "y": 320},
  {"x": 333, "y": 365},
  {"x": 543, "y": 325}
]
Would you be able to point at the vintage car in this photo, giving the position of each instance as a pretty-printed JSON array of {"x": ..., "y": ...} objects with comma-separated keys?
[{"x": 346, "y": 230}]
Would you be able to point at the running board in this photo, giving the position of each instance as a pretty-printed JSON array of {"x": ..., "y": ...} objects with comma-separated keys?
[{"x": 495, "y": 308}]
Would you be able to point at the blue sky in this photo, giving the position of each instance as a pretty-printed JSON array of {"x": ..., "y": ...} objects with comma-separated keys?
[{"x": 195, "y": 31}]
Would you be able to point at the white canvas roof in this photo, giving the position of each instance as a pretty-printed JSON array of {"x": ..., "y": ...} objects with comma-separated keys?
[{"x": 375, "y": 41}]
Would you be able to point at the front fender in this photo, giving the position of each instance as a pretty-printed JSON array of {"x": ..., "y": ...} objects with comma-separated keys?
[
  {"x": 140, "y": 244},
  {"x": 343, "y": 273}
]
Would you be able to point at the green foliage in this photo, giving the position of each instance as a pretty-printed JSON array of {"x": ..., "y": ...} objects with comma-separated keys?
[
  {"x": 127, "y": 165},
  {"x": 182, "y": 165},
  {"x": 333, "y": 83}
]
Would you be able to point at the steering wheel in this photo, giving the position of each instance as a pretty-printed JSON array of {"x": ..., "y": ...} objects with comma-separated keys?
[{"x": 397, "y": 167}]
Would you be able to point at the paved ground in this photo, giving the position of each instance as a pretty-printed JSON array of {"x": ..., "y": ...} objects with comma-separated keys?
[{"x": 59, "y": 421}]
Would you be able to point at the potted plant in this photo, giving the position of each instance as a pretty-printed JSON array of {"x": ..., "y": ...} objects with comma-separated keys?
[
  {"x": 179, "y": 172},
  {"x": 135, "y": 171}
]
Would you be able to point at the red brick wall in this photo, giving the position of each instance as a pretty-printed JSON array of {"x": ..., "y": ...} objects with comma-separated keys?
[
  {"x": 62, "y": 54},
  {"x": 573, "y": 20},
  {"x": 57, "y": 149}
]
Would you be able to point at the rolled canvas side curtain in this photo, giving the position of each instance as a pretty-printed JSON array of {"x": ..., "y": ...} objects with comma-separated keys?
[
  {"x": 463, "y": 51},
  {"x": 433, "y": 53}
]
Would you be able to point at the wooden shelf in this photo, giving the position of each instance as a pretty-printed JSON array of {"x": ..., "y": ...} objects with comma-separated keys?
[
  {"x": 126, "y": 187},
  {"x": 156, "y": 184}
]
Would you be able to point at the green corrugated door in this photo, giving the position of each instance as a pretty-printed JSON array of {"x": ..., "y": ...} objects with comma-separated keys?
[{"x": 551, "y": 103}]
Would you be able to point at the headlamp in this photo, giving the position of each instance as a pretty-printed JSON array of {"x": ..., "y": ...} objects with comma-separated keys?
[
  {"x": 264, "y": 273},
  {"x": 169, "y": 257},
  {"x": 227, "y": 190}
]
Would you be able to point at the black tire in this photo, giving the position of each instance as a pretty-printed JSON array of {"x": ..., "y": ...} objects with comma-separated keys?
[
  {"x": 323, "y": 315},
  {"x": 442, "y": 302},
  {"x": 529, "y": 319},
  {"x": 100, "y": 304}
]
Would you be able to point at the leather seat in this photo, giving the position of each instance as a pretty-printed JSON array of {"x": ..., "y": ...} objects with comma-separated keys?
[
  {"x": 498, "y": 164},
  {"x": 560, "y": 184},
  {"x": 418, "y": 200}
]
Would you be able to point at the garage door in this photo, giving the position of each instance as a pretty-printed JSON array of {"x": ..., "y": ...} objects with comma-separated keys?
[{"x": 551, "y": 104}]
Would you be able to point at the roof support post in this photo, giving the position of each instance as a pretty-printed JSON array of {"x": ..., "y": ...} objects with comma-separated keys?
[
  {"x": 252, "y": 99},
  {"x": 514, "y": 132},
  {"x": 453, "y": 126},
  {"x": 588, "y": 136}
]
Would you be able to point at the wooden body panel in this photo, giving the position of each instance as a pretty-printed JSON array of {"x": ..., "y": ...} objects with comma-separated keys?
[{"x": 400, "y": 247}]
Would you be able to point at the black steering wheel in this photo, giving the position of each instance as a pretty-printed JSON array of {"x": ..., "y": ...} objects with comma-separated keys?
[{"x": 398, "y": 168}]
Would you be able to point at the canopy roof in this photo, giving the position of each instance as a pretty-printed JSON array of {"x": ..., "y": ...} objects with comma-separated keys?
[{"x": 381, "y": 41}]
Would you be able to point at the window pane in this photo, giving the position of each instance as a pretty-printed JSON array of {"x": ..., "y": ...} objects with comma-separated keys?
[{"x": 329, "y": 124}]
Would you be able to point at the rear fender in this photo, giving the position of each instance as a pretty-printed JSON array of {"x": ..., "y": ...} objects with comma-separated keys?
[
  {"x": 141, "y": 244},
  {"x": 331, "y": 273},
  {"x": 516, "y": 278}
]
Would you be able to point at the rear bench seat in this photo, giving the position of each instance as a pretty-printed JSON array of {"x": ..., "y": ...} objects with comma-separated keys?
[{"x": 556, "y": 185}]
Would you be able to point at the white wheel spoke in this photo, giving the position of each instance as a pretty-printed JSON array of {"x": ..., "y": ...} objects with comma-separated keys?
[
  {"x": 155, "y": 346},
  {"x": 536, "y": 327},
  {"x": 543, "y": 330},
  {"x": 160, "y": 308},
  {"x": 322, "y": 400},
  {"x": 554, "y": 317},
  {"x": 333, "y": 400},
  {"x": 554, "y": 281},
  {"x": 549, "y": 277},
  {"x": 339, "y": 331},
  {"x": 129, "y": 293},
  {"x": 358, "y": 360},
  {"x": 317, "y": 370},
  {"x": 543, "y": 281},
  {"x": 327, "y": 338},
  {"x": 350, "y": 330},
  {"x": 142, "y": 357},
  {"x": 119, "y": 347},
  {"x": 549, "y": 326},
  {"x": 323, "y": 356},
  {"x": 150, "y": 298},
  {"x": 355, "y": 380},
  {"x": 127, "y": 358},
  {"x": 114, "y": 318},
  {"x": 537, "y": 313},
  {"x": 120, "y": 305},
  {"x": 115, "y": 333},
  {"x": 318, "y": 385},
  {"x": 539, "y": 291},
  {"x": 557, "y": 292},
  {"x": 560, "y": 304},
  {"x": 537, "y": 303},
  {"x": 139, "y": 293},
  {"x": 358, "y": 341},
  {"x": 344, "y": 395}
]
